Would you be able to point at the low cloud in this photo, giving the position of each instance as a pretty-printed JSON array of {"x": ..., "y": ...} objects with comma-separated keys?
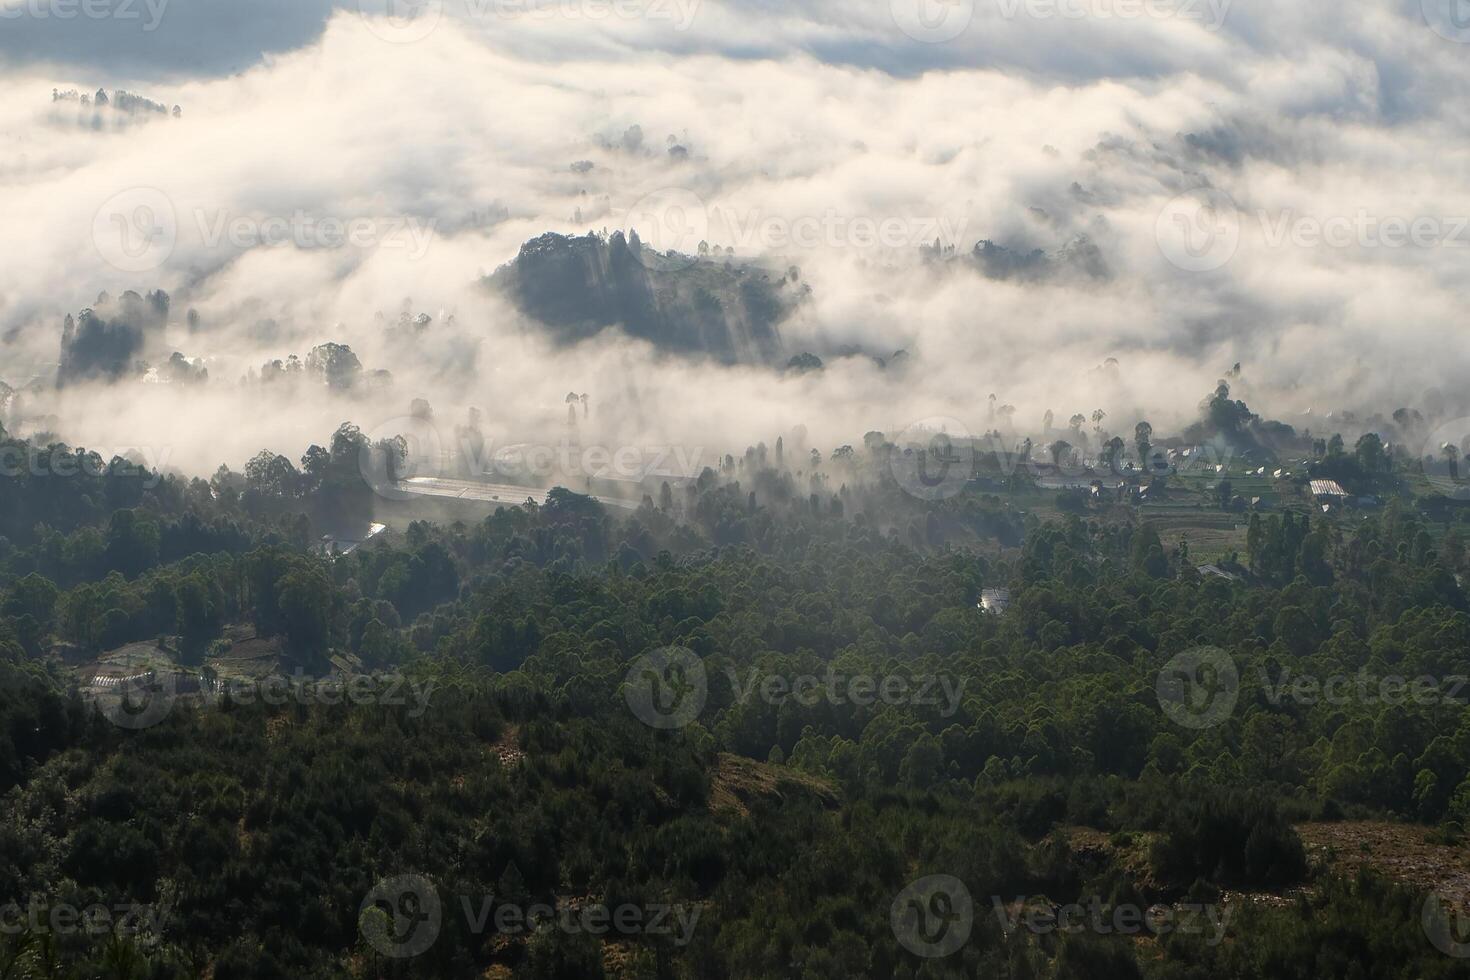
[{"x": 785, "y": 138}]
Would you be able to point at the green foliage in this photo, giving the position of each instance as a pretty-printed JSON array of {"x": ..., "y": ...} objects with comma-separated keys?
[{"x": 529, "y": 779}]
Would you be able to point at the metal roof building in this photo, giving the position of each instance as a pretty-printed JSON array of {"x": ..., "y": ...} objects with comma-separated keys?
[{"x": 994, "y": 600}]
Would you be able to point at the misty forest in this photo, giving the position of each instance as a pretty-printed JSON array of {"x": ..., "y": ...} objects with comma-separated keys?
[{"x": 678, "y": 489}]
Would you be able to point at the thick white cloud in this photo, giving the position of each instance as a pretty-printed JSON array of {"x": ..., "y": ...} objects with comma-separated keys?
[{"x": 807, "y": 127}]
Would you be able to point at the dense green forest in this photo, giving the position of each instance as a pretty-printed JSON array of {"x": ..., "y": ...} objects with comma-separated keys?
[{"x": 764, "y": 716}]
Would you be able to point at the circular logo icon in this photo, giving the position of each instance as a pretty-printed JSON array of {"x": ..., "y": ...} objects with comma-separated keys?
[
  {"x": 933, "y": 916},
  {"x": 401, "y": 21},
  {"x": 1198, "y": 231},
  {"x": 1445, "y": 926},
  {"x": 1450, "y": 19},
  {"x": 1199, "y": 687},
  {"x": 1444, "y": 458},
  {"x": 933, "y": 458},
  {"x": 932, "y": 21},
  {"x": 400, "y": 917},
  {"x": 667, "y": 688},
  {"x": 401, "y": 449},
  {"x": 137, "y": 702},
  {"x": 670, "y": 223},
  {"x": 136, "y": 230}
]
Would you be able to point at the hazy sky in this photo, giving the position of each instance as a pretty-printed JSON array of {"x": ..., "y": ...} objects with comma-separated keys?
[{"x": 1275, "y": 184}]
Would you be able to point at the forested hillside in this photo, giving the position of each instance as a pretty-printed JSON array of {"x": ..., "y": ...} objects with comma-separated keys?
[{"x": 774, "y": 729}]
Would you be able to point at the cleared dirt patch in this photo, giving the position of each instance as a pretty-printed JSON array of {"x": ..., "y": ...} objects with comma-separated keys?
[
  {"x": 1401, "y": 852},
  {"x": 738, "y": 781},
  {"x": 1405, "y": 853}
]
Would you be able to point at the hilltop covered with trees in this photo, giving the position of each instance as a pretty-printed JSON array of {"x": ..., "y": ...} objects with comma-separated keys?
[{"x": 691, "y": 305}]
